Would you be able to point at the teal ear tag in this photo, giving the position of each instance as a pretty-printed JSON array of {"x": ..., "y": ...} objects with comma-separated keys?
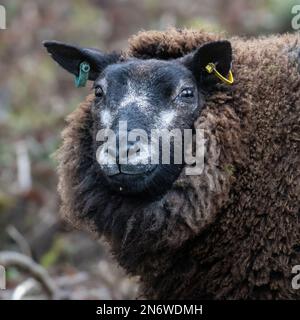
[{"x": 83, "y": 76}]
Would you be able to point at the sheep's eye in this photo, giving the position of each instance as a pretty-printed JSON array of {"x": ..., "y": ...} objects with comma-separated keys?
[
  {"x": 99, "y": 92},
  {"x": 187, "y": 93}
]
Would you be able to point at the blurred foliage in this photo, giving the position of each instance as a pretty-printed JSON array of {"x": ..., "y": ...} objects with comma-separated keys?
[{"x": 36, "y": 95}]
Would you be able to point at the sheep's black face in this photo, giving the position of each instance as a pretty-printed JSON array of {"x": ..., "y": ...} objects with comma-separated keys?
[
  {"x": 141, "y": 110},
  {"x": 141, "y": 98}
]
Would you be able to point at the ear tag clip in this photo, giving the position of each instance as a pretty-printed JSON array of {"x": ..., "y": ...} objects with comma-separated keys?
[
  {"x": 211, "y": 68},
  {"x": 83, "y": 76}
]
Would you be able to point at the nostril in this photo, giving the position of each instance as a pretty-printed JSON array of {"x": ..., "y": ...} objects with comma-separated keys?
[
  {"x": 133, "y": 150},
  {"x": 131, "y": 146},
  {"x": 139, "y": 154}
]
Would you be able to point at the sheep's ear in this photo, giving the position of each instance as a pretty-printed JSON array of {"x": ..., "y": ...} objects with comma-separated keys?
[
  {"x": 70, "y": 57},
  {"x": 217, "y": 52}
]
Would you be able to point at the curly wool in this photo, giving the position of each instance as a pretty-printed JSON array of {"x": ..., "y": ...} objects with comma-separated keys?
[{"x": 231, "y": 232}]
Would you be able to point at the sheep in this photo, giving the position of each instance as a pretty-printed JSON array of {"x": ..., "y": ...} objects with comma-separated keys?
[{"x": 231, "y": 232}]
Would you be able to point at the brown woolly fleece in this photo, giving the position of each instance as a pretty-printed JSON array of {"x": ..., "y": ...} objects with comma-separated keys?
[{"x": 233, "y": 231}]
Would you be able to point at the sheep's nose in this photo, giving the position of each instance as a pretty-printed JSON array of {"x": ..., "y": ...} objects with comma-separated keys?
[{"x": 134, "y": 159}]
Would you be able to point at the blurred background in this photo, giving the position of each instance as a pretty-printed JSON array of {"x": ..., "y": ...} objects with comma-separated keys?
[{"x": 47, "y": 258}]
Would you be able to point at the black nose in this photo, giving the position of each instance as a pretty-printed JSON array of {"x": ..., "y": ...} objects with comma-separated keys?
[
  {"x": 129, "y": 157},
  {"x": 133, "y": 159}
]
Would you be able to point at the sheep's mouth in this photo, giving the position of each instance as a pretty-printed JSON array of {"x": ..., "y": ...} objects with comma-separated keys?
[
  {"x": 130, "y": 180},
  {"x": 151, "y": 182}
]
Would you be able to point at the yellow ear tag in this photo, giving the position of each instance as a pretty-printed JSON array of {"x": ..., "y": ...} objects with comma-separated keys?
[{"x": 211, "y": 68}]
